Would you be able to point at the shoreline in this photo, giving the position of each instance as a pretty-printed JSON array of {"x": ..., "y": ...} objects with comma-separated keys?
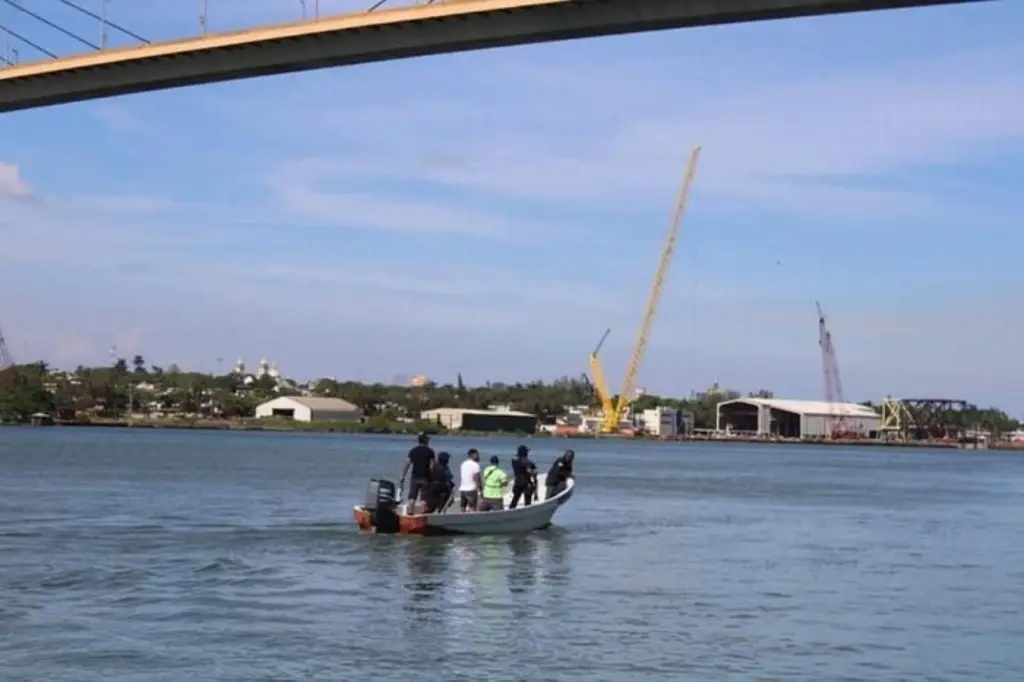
[{"x": 400, "y": 428}]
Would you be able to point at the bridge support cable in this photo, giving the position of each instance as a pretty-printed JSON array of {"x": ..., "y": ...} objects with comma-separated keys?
[
  {"x": 53, "y": 25},
  {"x": 14, "y": 34},
  {"x": 107, "y": 22}
]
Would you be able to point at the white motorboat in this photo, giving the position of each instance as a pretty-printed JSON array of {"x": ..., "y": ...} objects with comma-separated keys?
[{"x": 382, "y": 513}]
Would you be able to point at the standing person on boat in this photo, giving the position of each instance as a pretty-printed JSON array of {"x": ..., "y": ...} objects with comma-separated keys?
[
  {"x": 560, "y": 472},
  {"x": 493, "y": 481},
  {"x": 421, "y": 460},
  {"x": 469, "y": 481},
  {"x": 524, "y": 478},
  {"x": 442, "y": 484}
]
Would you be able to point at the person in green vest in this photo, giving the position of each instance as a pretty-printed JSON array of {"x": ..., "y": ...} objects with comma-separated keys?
[{"x": 493, "y": 481}]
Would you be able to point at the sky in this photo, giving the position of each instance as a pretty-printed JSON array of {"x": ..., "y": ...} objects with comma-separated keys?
[{"x": 491, "y": 213}]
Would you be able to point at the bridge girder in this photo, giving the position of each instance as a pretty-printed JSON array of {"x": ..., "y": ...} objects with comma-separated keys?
[{"x": 383, "y": 35}]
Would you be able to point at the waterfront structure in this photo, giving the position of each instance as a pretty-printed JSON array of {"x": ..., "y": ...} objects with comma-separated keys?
[
  {"x": 794, "y": 418},
  {"x": 459, "y": 419},
  {"x": 666, "y": 422},
  {"x": 309, "y": 409}
]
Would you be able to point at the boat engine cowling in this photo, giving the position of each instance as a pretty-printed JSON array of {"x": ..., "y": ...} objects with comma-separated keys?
[
  {"x": 382, "y": 502},
  {"x": 380, "y": 492}
]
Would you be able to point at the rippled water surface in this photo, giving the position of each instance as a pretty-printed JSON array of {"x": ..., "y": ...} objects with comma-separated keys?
[{"x": 141, "y": 555}]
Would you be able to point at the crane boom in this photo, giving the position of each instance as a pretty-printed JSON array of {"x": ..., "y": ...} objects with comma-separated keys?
[
  {"x": 837, "y": 426},
  {"x": 643, "y": 333},
  {"x": 5, "y": 356},
  {"x": 600, "y": 384}
]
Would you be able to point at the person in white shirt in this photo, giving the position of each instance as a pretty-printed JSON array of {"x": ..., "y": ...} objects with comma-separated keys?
[{"x": 469, "y": 481}]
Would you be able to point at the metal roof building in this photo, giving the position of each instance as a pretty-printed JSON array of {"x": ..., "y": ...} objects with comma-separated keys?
[
  {"x": 459, "y": 419},
  {"x": 794, "y": 418},
  {"x": 308, "y": 409}
]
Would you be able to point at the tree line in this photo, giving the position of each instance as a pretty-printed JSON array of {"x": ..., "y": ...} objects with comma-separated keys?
[
  {"x": 133, "y": 385},
  {"x": 114, "y": 390}
]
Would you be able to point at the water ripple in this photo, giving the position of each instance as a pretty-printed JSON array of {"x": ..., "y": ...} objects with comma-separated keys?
[{"x": 141, "y": 556}]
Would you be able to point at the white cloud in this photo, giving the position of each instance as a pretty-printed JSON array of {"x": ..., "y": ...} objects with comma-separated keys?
[
  {"x": 117, "y": 116},
  {"x": 320, "y": 193},
  {"x": 800, "y": 145},
  {"x": 103, "y": 232},
  {"x": 119, "y": 205},
  {"x": 12, "y": 185},
  {"x": 476, "y": 316}
]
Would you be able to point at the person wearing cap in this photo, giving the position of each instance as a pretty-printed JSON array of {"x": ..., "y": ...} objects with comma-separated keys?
[
  {"x": 469, "y": 481},
  {"x": 442, "y": 484},
  {"x": 560, "y": 472},
  {"x": 493, "y": 481},
  {"x": 524, "y": 478}
]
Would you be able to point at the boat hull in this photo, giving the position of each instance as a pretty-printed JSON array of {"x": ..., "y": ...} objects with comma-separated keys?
[{"x": 522, "y": 519}]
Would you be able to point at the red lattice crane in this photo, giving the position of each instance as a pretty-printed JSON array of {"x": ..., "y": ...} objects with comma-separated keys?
[{"x": 837, "y": 426}]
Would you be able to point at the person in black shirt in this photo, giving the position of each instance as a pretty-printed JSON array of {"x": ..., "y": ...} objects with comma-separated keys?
[
  {"x": 421, "y": 461},
  {"x": 560, "y": 472},
  {"x": 442, "y": 484},
  {"x": 524, "y": 477}
]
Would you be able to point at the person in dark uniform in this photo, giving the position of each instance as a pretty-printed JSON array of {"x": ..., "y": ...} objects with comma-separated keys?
[
  {"x": 442, "y": 484},
  {"x": 421, "y": 460},
  {"x": 524, "y": 478},
  {"x": 560, "y": 472}
]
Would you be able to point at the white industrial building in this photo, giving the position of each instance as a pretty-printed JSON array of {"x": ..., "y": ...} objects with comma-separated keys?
[
  {"x": 795, "y": 418},
  {"x": 666, "y": 422},
  {"x": 309, "y": 409},
  {"x": 457, "y": 418}
]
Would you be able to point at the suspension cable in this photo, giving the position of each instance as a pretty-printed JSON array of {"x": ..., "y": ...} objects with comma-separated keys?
[
  {"x": 109, "y": 23},
  {"x": 28, "y": 42},
  {"x": 52, "y": 25}
]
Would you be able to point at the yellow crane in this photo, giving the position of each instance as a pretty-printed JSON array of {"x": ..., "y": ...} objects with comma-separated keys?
[
  {"x": 600, "y": 384},
  {"x": 613, "y": 417}
]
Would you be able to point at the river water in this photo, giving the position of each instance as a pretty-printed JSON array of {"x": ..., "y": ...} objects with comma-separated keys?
[{"x": 157, "y": 555}]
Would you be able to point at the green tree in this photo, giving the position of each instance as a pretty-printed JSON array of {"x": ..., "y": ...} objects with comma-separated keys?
[
  {"x": 26, "y": 389},
  {"x": 23, "y": 392}
]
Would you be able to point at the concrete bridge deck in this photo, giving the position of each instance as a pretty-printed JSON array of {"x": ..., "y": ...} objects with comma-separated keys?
[{"x": 452, "y": 26}]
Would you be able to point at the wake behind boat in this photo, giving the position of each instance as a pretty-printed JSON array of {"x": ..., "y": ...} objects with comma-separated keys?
[{"x": 382, "y": 513}]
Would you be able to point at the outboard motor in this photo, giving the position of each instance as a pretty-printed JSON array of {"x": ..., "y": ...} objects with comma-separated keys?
[{"x": 381, "y": 501}]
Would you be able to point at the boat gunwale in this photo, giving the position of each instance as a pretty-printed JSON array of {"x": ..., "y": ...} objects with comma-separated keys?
[{"x": 554, "y": 501}]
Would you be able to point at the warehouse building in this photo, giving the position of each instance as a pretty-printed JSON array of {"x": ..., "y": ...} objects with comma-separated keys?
[
  {"x": 458, "y": 419},
  {"x": 308, "y": 409},
  {"x": 794, "y": 418},
  {"x": 666, "y": 422}
]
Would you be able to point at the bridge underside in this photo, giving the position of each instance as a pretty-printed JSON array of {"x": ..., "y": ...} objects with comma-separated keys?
[{"x": 454, "y": 26}]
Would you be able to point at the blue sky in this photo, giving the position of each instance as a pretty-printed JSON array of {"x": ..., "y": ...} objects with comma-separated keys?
[{"x": 491, "y": 213}]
